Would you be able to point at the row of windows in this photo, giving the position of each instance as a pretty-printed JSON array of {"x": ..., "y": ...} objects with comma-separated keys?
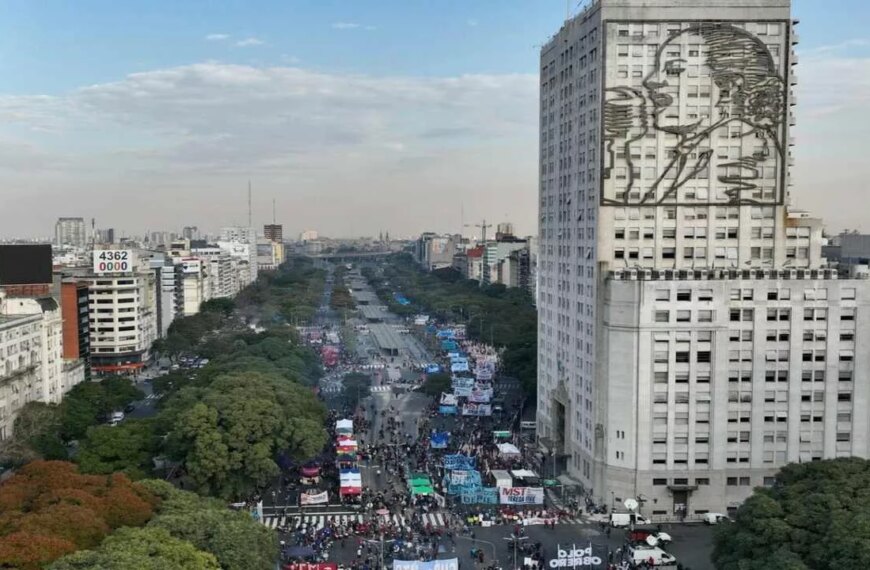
[
  {"x": 846, "y": 294},
  {"x": 780, "y": 314}
]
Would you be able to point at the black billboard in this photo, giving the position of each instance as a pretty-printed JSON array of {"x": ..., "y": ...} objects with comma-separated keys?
[{"x": 22, "y": 264}]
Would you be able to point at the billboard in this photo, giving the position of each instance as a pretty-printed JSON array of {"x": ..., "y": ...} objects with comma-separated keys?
[
  {"x": 191, "y": 265},
  {"x": 113, "y": 261},
  {"x": 25, "y": 264}
]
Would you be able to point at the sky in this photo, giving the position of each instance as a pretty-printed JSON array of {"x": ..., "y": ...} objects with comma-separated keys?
[{"x": 355, "y": 116}]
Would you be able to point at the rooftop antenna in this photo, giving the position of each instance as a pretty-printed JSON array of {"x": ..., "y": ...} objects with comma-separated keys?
[
  {"x": 273, "y": 211},
  {"x": 461, "y": 219},
  {"x": 250, "y": 223}
]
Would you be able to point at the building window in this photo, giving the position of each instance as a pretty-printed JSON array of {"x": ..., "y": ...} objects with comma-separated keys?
[
  {"x": 659, "y": 482},
  {"x": 662, "y": 316}
]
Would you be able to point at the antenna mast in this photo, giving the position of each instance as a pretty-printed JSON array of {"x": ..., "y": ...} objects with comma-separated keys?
[
  {"x": 273, "y": 211},
  {"x": 250, "y": 223}
]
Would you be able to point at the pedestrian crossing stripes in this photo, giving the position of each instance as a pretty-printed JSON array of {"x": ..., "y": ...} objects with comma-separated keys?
[
  {"x": 151, "y": 397},
  {"x": 381, "y": 388},
  {"x": 317, "y": 522},
  {"x": 331, "y": 390}
]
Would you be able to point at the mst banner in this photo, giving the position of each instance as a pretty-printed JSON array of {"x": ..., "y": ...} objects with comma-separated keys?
[{"x": 521, "y": 495}]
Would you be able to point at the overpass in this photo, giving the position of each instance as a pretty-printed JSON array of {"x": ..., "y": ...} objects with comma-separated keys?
[{"x": 349, "y": 255}]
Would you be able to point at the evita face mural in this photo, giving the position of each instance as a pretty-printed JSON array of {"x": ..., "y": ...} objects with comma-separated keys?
[{"x": 695, "y": 116}]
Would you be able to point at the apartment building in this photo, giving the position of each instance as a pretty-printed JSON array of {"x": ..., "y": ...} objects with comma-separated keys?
[
  {"x": 70, "y": 232},
  {"x": 691, "y": 337}
]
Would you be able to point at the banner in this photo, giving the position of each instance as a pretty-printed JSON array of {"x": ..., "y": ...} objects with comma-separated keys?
[
  {"x": 472, "y": 409},
  {"x": 438, "y": 440},
  {"x": 318, "y": 499},
  {"x": 462, "y": 392},
  {"x": 462, "y": 381},
  {"x": 459, "y": 462},
  {"x": 305, "y": 566},
  {"x": 480, "y": 395},
  {"x": 481, "y": 496},
  {"x": 521, "y": 495},
  {"x": 593, "y": 557},
  {"x": 447, "y": 410},
  {"x": 448, "y": 400},
  {"x": 448, "y": 564}
]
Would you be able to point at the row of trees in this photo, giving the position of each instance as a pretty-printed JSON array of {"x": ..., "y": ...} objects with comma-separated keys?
[
  {"x": 50, "y": 514},
  {"x": 506, "y": 317}
]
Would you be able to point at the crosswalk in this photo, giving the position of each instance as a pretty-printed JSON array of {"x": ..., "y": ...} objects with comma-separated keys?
[
  {"x": 152, "y": 397},
  {"x": 317, "y": 522},
  {"x": 339, "y": 389}
]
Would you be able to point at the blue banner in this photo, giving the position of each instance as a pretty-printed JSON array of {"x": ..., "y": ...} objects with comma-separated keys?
[
  {"x": 447, "y": 410},
  {"x": 459, "y": 462},
  {"x": 448, "y": 564},
  {"x": 481, "y": 496},
  {"x": 439, "y": 439}
]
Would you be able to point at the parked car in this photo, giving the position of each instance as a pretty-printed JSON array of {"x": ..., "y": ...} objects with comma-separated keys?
[{"x": 129, "y": 408}]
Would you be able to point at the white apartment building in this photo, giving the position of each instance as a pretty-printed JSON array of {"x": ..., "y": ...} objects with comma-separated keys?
[
  {"x": 20, "y": 370},
  {"x": 240, "y": 234},
  {"x": 70, "y": 232},
  {"x": 123, "y": 320},
  {"x": 246, "y": 256},
  {"x": 691, "y": 338}
]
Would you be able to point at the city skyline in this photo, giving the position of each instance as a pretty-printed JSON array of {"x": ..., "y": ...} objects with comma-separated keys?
[{"x": 318, "y": 114}]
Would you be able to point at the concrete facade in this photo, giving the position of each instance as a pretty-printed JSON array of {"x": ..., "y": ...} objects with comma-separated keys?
[{"x": 654, "y": 165}]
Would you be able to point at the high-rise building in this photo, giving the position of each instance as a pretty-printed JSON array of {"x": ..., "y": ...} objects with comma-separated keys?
[
  {"x": 74, "y": 297},
  {"x": 190, "y": 232},
  {"x": 70, "y": 232},
  {"x": 274, "y": 232},
  {"x": 692, "y": 338}
]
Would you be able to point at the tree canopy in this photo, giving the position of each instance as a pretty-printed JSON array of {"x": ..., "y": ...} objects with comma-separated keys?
[
  {"x": 229, "y": 440},
  {"x": 237, "y": 540},
  {"x": 48, "y": 509},
  {"x": 150, "y": 548},
  {"x": 816, "y": 516}
]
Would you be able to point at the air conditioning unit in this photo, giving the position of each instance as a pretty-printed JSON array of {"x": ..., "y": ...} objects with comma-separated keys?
[
  {"x": 703, "y": 274},
  {"x": 646, "y": 274},
  {"x": 632, "y": 274},
  {"x": 792, "y": 273},
  {"x": 766, "y": 274}
]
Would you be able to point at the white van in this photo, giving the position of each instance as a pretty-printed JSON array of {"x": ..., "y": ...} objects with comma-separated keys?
[
  {"x": 714, "y": 518},
  {"x": 116, "y": 418},
  {"x": 641, "y": 554},
  {"x": 620, "y": 520}
]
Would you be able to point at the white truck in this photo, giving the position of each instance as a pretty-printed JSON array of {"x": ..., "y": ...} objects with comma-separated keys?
[
  {"x": 621, "y": 520},
  {"x": 654, "y": 554}
]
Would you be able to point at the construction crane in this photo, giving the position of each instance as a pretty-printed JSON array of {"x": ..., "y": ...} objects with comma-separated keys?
[{"x": 483, "y": 227}]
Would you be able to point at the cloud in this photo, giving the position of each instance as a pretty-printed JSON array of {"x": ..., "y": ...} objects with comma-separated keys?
[
  {"x": 471, "y": 22},
  {"x": 189, "y": 135},
  {"x": 217, "y": 37},
  {"x": 838, "y": 47},
  {"x": 247, "y": 42},
  {"x": 345, "y": 26}
]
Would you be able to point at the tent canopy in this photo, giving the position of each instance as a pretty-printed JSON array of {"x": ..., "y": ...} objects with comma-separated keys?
[
  {"x": 508, "y": 449},
  {"x": 524, "y": 474},
  {"x": 344, "y": 425}
]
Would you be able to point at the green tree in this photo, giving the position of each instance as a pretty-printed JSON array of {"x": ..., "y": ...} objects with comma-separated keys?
[
  {"x": 816, "y": 517},
  {"x": 150, "y": 548},
  {"x": 127, "y": 447},
  {"x": 435, "y": 384},
  {"x": 356, "y": 386},
  {"x": 224, "y": 307},
  {"x": 34, "y": 435},
  {"x": 237, "y": 541},
  {"x": 228, "y": 441}
]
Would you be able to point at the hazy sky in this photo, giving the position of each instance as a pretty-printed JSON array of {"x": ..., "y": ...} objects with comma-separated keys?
[{"x": 355, "y": 115}]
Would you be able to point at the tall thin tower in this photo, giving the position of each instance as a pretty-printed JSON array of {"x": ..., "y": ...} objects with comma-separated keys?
[{"x": 250, "y": 221}]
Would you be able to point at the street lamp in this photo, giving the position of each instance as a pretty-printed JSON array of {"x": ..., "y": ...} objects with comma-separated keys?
[{"x": 516, "y": 540}]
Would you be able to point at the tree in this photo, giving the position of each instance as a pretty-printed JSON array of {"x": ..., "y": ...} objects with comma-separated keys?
[
  {"x": 222, "y": 306},
  {"x": 229, "y": 440},
  {"x": 88, "y": 402},
  {"x": 435, "y": 384},
  {"x": 48, "y": 509},
  {"x": 34, "y": 435},
  {"x": 356, "y": 386},
  {"x": 150, "y": 548},
  {"x": 816, "y": 517},
  {"x": 237, "y": 541},
  {"x": 127, "y": 447}
]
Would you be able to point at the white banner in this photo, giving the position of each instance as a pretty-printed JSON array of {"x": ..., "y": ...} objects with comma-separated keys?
[
  {"x": 318, "y": 499},
  {"x": 521, "y": 495}
]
